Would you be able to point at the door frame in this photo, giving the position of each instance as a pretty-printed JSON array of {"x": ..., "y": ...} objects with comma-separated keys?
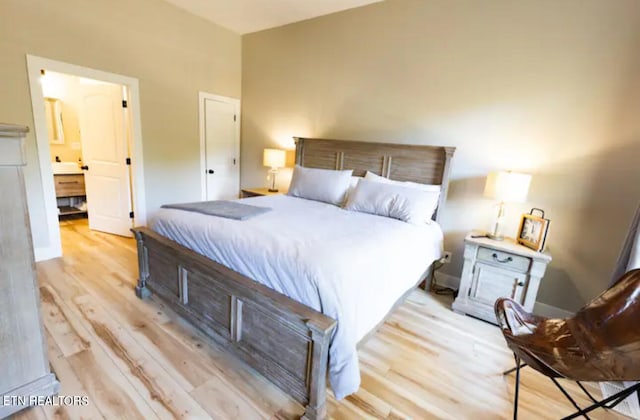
[
  {"x": 202, "y": 96},
  {"x": 34, "y": 65}
]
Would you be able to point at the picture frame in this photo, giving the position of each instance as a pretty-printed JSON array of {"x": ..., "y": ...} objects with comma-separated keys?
[{"x": 533, "y": 230}]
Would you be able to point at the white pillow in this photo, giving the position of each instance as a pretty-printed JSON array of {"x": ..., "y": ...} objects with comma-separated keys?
[
  {"x": 352, "y": 186},
  {"x": 324, "y": 185},
  {"x": 400, "y": 202},
  {"x": 425, "y": 187}
]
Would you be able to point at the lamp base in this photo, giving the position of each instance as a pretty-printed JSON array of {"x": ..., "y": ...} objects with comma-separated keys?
[
  {"x": 273, "y": 172},
  {"x": 495, "y": 237}
]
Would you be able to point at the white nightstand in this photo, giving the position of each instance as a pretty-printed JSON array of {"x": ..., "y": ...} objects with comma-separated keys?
[
  {"x": 259, "y": 192},
  {"x": 494, "y": 269}
]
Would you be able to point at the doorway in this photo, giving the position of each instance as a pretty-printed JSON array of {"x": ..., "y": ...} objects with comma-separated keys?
[
  {"x": 89, "y": 143},
  {"x": 219, "y": 146},
  {"x": 94, "y": 158}
]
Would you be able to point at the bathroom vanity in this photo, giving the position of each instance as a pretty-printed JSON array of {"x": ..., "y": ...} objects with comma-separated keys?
[{"x": 68, "y": 180}]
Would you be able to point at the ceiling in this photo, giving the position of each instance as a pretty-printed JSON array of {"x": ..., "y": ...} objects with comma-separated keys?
[{"x": 245, "y": 16}]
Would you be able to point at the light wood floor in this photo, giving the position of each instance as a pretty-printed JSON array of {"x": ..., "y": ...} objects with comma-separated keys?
[{"x": 137, "y": 359}]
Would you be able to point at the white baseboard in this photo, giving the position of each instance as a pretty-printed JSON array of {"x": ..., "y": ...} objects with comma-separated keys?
[
  {"x": 46, "y": 253},
  {"x": 543, "y": 309},
  {"x": 447, "y": 280}
]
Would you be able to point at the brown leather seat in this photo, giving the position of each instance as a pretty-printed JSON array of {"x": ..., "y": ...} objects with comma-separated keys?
[{"x": 601, "y": 342}]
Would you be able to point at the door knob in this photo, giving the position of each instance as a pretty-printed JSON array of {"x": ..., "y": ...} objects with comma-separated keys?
[
  {"x": 210, "y": 171},
  {"x": 84, "y": 167}
]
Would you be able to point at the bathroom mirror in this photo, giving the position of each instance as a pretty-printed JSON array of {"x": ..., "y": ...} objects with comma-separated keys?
[{"x": 53, "y": 109}]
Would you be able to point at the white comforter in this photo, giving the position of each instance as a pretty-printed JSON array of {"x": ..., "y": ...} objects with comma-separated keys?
[{"x": 350, "y": 266}]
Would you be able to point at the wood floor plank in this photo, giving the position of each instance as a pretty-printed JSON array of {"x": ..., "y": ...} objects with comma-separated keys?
[
  {"x": 33, "y": 413},
  {"x": 397, "y": 396},
  {"x": 107, "y": 387},
  {"x": 165, "y": 396},
  {"x": 213, "y": 395},
  {"x": 346, "y": 411},
  {"x": 69, "y": 385},
  {"x": 67, "y": 336},
  {"x": 138, "y": 359},
  {"x": 112, "y": 289},
  {"x": 369, "y": 404},
  {"x": 179, "y": 359},
  {"x": 241, "y": 379}
]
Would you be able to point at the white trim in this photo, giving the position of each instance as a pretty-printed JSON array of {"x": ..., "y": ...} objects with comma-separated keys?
[
  {"x": 202, "y": 96},
  {"x": 34, "y": 65},
  {"x": 447, "y": 280},
  {"x": 44, "y": 253},
  {"x": 539, "y": 308}
]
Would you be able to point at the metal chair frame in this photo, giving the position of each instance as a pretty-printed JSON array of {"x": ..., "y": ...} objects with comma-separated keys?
[{"x": 604, "y": 403}]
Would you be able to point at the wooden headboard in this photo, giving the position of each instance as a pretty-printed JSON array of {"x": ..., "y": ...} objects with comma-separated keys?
[{"x": 401, "y": 162}]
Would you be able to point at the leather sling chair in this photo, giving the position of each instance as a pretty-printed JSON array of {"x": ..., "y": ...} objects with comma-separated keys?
[{"x": 601, "y": 342}]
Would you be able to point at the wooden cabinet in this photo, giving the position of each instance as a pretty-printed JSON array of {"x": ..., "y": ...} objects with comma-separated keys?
[
  {"x": 490, "y": 283},
  {"x": 24, "y": 366},
  {"x": 494, "y": 269},
  {"x": 71, "y": 185},
  {"x": 70, "y": 192}
]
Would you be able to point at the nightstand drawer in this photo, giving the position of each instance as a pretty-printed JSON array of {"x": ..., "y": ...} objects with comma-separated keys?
[
  {"x": 504, "y": 259},
  {"x": 69, "y": 185}
]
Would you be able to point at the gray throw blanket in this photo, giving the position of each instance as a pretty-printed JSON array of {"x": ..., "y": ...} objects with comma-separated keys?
[{"x": 221, "y": 208}]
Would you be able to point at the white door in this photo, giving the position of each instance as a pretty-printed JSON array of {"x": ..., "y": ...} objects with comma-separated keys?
[
  {"x": 222, "y": 177},
  {"x": 104, "y": 152}
]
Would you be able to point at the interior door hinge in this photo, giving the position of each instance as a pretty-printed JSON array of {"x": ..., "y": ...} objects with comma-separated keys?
[
  {"x": 234, "y": 161},
  {"x": 130, "y": 215},
  {"x": 128, "y": 161},
  {"x": 234, "y": 117},
  {"x": 124, "y": 103}
]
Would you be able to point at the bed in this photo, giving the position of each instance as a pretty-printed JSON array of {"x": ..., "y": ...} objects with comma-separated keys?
[{"x": 284, "y": 325}]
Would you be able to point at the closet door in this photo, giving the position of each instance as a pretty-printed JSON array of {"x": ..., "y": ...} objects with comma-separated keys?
[{"x": 222, "y": 147}]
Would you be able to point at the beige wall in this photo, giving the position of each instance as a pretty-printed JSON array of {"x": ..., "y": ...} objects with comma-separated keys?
[
  {"x": 547, "y": 87},
  {"x": 173, "y": 55}
]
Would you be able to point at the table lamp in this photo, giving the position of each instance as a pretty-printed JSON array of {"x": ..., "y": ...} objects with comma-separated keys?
[
  {"x": 506, "y": 187},
  {"x": 274, "y": 158}
]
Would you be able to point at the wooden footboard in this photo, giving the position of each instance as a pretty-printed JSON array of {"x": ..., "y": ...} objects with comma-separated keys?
[{"x": 284, "y": 340}]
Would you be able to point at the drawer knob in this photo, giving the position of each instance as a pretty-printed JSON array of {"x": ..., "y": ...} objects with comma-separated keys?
[
  {"x": 84, "y": 167},
  {"x": 506, "y": 260},
  {"x": 520, "y": 283}
]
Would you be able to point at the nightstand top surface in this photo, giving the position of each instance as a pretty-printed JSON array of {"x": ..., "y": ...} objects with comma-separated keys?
[
  {"x": 507, "y": 245},
  {"x": 263, "y": 191}
]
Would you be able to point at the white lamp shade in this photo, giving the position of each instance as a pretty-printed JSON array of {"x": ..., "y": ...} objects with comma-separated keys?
[
  {"x": 506, "y": 186},
  {"x": 274, "y": 158}
]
